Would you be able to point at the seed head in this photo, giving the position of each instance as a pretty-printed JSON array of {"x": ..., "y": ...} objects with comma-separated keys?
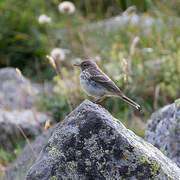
[
  {"x": 59, "y": 54},
  {"x": 66, "y": 7},
  {"x": 44, "y": 19}
]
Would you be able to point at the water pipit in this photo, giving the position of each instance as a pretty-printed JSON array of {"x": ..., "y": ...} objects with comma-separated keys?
[{"x": 98, "y": 85}]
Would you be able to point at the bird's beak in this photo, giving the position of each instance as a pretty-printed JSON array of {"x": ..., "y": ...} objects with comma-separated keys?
[{"x": 76, "y": 64}]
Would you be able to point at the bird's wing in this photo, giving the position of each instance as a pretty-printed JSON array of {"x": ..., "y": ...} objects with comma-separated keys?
[{"x": 101, "y": 78}]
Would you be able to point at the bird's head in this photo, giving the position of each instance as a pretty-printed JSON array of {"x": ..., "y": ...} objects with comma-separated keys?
[{"x": 86, "y": 65}]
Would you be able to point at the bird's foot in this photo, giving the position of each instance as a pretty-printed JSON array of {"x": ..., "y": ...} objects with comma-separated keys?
[{"x": 98, "y": 100}]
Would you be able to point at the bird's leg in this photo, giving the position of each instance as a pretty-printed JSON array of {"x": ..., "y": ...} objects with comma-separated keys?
[{"x": 98, "y": 100}]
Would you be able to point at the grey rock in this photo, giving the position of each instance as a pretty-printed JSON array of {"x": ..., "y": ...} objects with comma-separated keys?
[
  {"x": 91, "y": 144},
  {"x": 30, "y": 122},
  {"x": 19, "y": 93},
  {"x": 18, "y": 98},
  {"x": 15, "y": 92},
  {"x": 143, "y": 21},
  {"x": 163, "y": 131},
  {"x": 18, "y": 169},
  {"x": 131, "y": 19}
]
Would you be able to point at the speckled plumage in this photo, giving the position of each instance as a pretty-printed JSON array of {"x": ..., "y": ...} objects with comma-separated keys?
[
  {"x": 97, "y": 84},
  {"x": 91, "y": 87}
]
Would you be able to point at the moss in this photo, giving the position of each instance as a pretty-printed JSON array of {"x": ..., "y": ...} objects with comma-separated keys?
[
  {"x": 117, "y": 120},
  {"x": 54, "y": 152},
  {"x": 154, "y": 166},
  {"x": 79, "y": 153},
  {"x": 71, "y": 165},
  {"x": 177, "y": 103},
  {"x": 53, "y": 178},
  {"x": 53, "y": 138}
]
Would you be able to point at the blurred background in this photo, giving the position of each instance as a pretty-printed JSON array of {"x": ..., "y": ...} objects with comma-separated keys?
[{"x": 137, "y": 43}]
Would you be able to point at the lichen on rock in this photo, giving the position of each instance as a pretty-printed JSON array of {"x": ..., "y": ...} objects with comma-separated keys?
[
  {"x": 92, "y": 145},
  {"x": 177, "y": 103}
]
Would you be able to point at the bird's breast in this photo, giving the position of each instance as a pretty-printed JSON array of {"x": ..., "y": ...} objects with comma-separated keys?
[{"x": 91, "y": 87}]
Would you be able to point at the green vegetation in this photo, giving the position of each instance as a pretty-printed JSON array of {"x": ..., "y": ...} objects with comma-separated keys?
[
  {"x": 24, "y": 41},
  {"x": 154, "y": 167},
  {"x": 7, "y": 157}
]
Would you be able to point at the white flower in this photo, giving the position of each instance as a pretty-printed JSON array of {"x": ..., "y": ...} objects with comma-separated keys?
[
  {"x": 66, "y": 7},
  {"x": 59, "y": 54},
  {"x": 43, "y": 19}
]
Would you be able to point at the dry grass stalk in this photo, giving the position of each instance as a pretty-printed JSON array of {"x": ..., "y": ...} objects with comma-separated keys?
[
  {"x": 125, "y": 68},
  {"x": 20, "y": 74},
  {"x": 27, "y": 140},
  {"x": 47, "y": 125},
  {"x": 51, "y": 61}
]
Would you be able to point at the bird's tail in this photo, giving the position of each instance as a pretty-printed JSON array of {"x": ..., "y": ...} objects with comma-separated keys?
[{"x": 131, "y": 102}]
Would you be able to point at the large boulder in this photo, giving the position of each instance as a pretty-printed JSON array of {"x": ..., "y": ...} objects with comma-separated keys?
[
  {"x": 91, "y": 144},
  {"x": 12, "y": 122},
  {"x": 163, "y": 131},
  {"x": 20, "y": 166}
]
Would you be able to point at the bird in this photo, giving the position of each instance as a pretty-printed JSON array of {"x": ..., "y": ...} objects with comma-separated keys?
[{"x": 98, "y": 85}]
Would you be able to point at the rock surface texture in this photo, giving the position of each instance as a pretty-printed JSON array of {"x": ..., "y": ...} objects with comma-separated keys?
[
  {"x": 21, "y": 165},
  {"x": 32, "y": 124},
  {"x": 91, "y": 144},
  {"x": 163, "y": 131},
  {"x": 15, "y": 92},
  {"x": 18, "y": 93}
]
